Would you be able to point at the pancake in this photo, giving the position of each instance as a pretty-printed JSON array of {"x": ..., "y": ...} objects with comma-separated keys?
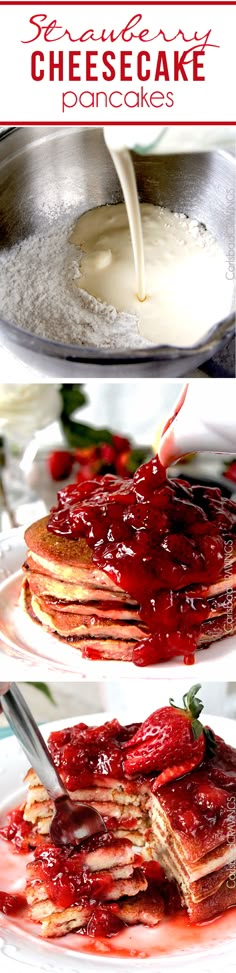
[
  {"x": 66, "y": 559},
  {"x": 90, "y": 623},
  {"x": 139, "y": 570},
  {"x": 74, "y": 594},
  {"x": 58, "y": 550},
  {"x": 89, "y": 646}
]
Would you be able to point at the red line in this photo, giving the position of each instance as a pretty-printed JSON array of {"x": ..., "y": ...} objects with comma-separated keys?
[
  {"x": 119, "y": 3},
  {"x": 102, "y": 123}
]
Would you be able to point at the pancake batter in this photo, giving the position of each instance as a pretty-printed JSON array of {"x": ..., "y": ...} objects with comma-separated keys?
[{"x": 186, "y": 288}]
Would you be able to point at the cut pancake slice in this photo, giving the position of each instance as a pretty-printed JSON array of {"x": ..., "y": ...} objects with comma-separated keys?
[
  {"x": 145, "y": 908},
  {"x": 122, "y": 808},
  {"x": 184, "y": 825},
  {"x": 63, "y": 886}
]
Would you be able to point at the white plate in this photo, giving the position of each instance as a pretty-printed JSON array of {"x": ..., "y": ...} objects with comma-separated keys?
[
  {"x": 26, "y": 641},
  {"x": 22, "y": 951}
]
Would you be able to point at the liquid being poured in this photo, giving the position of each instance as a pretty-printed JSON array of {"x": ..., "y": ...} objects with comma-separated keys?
[
  {"x": 125, "y": 171},
  {"x": 118, "y": 145},
  {"x": 160, "y": 266}
]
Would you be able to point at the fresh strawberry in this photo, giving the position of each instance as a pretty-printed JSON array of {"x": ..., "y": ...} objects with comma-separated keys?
[
  {"x": 87, "y": 472},
  {"x": 122, "y": 463},
  {"x": 120, "y": 443},
  {"x": 60, "y": 463},
  {"x": 85, "y": 455},
  {"x": 171, "y": 741},
  {"x": 179, "y": 770},
  {"x": 107, "y": 454}
]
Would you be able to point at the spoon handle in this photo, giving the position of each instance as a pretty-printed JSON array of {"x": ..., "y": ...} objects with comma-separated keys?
[{"x": 27, "y": 732}]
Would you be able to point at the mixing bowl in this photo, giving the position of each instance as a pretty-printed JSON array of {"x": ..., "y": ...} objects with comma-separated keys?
[{"x": 45, "y": 172}]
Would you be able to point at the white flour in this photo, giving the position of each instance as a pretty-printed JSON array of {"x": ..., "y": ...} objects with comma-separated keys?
[{"x": 38, "y": 294}]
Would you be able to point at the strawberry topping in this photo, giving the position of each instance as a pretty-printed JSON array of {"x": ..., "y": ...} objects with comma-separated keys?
[
  {"x": 11, "y": 904},
  {"x": 157, "y": 539},
  {"x": 104, "y": 922}
]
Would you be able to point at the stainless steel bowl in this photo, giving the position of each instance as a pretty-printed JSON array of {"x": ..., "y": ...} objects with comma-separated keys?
[{"x": 44, "y": 172}]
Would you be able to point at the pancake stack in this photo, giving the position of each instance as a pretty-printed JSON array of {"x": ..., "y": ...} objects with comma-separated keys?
[
  {"x": 65, "y": 592},
  {"x": 72, "y": 598},
  {"x": 187, "y": 826}
]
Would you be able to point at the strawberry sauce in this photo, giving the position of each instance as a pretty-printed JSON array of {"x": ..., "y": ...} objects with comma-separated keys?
[
  {"x": 17, "y": 830},
  {"x": 10, "y": 905},
  {"x": 84, "y": 754},
  {"x": 172, "y": 936},
  {"x": 104, "y": 922},
  {"x": 67, "y": 881},
  {"x": 160, "y": 541}
]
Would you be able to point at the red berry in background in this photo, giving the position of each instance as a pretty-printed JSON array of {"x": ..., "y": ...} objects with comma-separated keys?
[
  {"x": 122, "y": 464},
  {"x": 107, "y": 454},
  {"x": 60, "y": 464},
  {"x": 86, "y": 455},
  {"x": 230, "y": 473},
  {"x": 87, "y": 472},
  {"x": 120, "y": 443}
]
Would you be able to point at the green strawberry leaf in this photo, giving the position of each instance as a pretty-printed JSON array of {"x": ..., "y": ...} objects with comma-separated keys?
[
  {"x": 73, "y": 397},
  {"x": 197, "y": 729},
  {"x": 192, "y": 703},
  {"x": 43, "y": 688},
  {"x": 81, "y": 435}
]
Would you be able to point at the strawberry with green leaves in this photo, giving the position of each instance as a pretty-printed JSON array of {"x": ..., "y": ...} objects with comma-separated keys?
[{"x": 171, "y": 742}]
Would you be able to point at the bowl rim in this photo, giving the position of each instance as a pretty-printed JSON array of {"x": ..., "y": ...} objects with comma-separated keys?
[{"x": 212, "y": 341}]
